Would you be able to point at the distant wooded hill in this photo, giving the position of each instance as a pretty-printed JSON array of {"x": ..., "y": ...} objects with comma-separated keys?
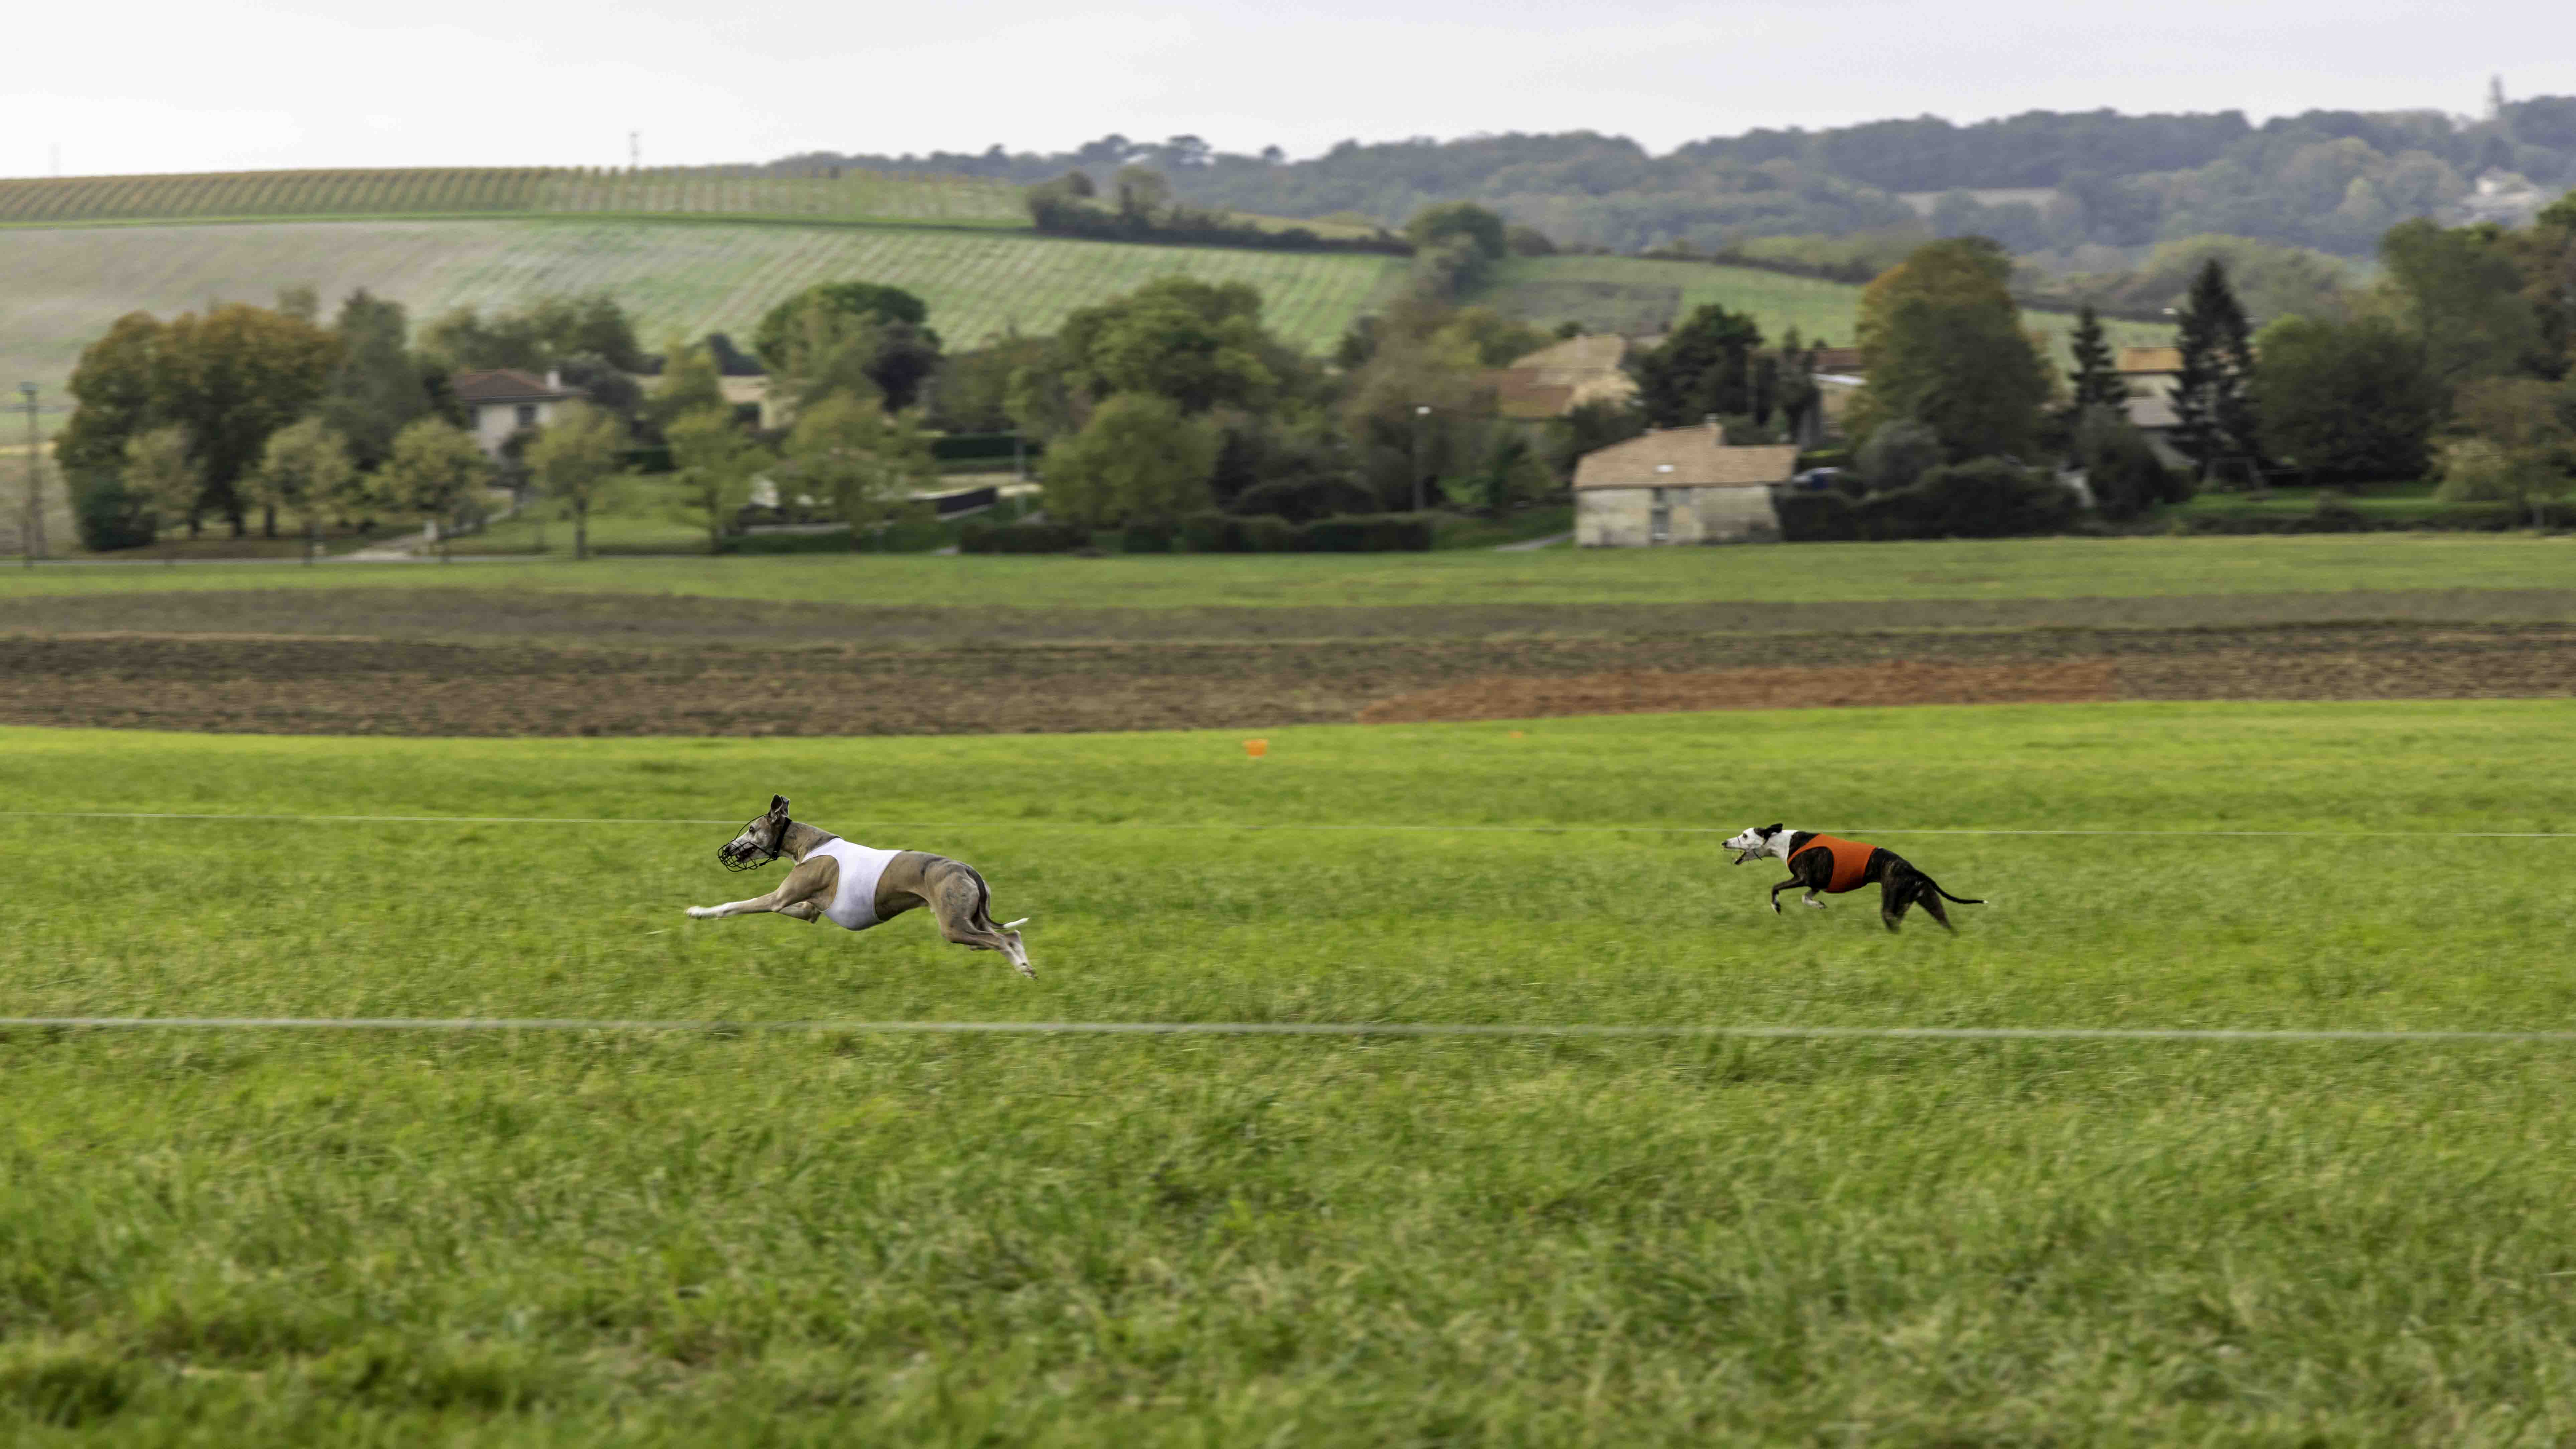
[{"x": 2039, "y": 182}]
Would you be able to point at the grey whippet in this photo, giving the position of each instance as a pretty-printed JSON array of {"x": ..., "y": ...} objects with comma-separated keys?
[{"x": 855, "y": 887}]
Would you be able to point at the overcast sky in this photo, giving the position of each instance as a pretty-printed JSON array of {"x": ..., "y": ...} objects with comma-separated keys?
[{"x": 223, "y": 85}]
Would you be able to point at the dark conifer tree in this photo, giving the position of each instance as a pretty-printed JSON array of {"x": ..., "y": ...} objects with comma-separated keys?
[
  {"x": 2097, "y": 383},
  {"x": 2213, "y": 399}
]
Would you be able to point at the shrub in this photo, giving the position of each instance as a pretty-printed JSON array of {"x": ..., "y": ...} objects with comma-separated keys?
[
  {"x": 1229, "y": 533},
  {"x": 2121, "y": 466},
  {"x": 1049, "y": 537},
  {"x": 1817, "y": 516},
  {"x": 1265, "y": 533},
  {"x": 1986, "y": 498},
  {"x": 1147, "y": 536},
  {"x": 1898, "y": 454},
  {"x": 109, "y": 515},
  {"x": 1369, "y": 533}
]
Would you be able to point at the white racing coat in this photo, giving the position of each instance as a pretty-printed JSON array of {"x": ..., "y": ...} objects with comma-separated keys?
[{"x": 854, "y": 902}]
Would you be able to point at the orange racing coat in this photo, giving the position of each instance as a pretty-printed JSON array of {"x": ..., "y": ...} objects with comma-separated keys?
[{"x": 1850, "y": 859}]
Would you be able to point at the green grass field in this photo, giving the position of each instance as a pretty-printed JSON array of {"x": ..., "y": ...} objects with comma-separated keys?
[
  {"x": 62, "y": 287},
  {"x": 1633, "y": 294},
  {"x": 280, "y": 1237},
  {"x": 2007, "y": 569}
]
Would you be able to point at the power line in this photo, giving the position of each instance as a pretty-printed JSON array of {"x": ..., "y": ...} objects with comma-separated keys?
[{"x": 2211, "y": 1035}]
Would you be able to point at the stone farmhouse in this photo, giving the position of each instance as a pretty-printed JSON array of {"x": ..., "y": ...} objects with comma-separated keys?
[{"x": 1679, "y": 485}]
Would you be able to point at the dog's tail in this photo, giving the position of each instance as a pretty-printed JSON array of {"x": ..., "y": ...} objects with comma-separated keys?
[{"x": 1945, "y": 895}]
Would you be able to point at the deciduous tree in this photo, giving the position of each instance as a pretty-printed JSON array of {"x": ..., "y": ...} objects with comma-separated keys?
[
  {"x": 574, "y": 462},
  {"x": 1943, "y": 344},
  {"x": 2347, "y": 402},
  {"x": 376, "y": 390},
  {"x": 231, "y": 377},
  {"x": 434, "y": 470},
  {"x": 830, "y": 337},
  {"x": 1140, "y": 458},
  {"x": 1703, "y": 368},
  {"x": 2460, "y": 291},
  {"x": 1199, "y": 344},
  {"x": 863, "y": 459},
  {"x": 690, "y": 383},
  {"x": 160, "y": 464},
  {"x": 713, "y": 462},
  {"x": 304, "y": 469}
]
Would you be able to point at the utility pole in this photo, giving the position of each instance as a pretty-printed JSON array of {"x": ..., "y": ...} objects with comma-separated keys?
[
  {"x": 634, "y": 151},
  {"x": 33, "y": 545}
]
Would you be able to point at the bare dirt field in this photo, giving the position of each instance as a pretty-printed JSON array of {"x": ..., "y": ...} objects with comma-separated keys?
[
  {"x": 436, "y": 662},
  {"x": 526, "y": 616}
]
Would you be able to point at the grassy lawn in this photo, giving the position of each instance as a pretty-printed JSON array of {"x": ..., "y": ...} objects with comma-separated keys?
[
  {"x": 2017, "y": 568},
  {"x": 289, "y": 1238}
]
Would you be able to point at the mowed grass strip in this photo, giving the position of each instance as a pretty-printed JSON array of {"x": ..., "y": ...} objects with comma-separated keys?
[
  {"x": 2053, "y": 568},
  {"x": 300, "y": 1239}
]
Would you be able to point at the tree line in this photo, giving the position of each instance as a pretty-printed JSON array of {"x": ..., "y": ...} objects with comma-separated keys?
[{"x": 2330, "y": 179}]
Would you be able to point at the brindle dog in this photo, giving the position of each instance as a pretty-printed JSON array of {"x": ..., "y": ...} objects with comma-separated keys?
[
  {"x": 954, "y": 890},
  {"x": 1900, "y": 884}
]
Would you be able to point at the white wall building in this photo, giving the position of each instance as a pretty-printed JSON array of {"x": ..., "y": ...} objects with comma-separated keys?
[{"x": 1679, "y": 485}]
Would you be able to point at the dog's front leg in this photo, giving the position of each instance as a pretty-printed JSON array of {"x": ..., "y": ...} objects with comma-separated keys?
[
  {"x": 1810, "y": 899},
  {"x": 801, "y": 896},
  {"x": 752, "y": 907}
]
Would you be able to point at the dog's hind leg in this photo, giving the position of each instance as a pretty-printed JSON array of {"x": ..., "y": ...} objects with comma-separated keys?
[
  {"x": 959, "y": 898},
  {"x": 1893, "y": 897}
]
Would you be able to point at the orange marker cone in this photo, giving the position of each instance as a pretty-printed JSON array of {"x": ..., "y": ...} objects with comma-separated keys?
[{"x": 1256, "y": 748}]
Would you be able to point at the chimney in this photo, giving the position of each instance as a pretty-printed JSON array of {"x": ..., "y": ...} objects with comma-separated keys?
[
  {"x": 554, "y": 382},
  {"x": 1716, "y": 431}
]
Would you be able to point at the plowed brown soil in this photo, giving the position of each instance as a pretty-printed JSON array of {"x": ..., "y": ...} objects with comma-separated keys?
[
  {"x": 228, "y": 678},
  {"x": 1777, "y": 687}
]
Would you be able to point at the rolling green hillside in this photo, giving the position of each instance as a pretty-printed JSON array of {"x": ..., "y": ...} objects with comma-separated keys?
[
  {"x": 61, "y": 287},
  {"x": 1636, "y": 294}
]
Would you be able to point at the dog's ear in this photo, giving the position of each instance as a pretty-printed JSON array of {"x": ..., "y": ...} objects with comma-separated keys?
[
  {"x": 777, "y": 804},
  {"x": 1769, "y": 830}
]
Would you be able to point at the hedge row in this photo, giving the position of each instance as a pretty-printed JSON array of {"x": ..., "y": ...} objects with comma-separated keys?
[
  {"x": 2343, "y": 518},
  {"x": 1984, "y": 499},
  {"x": 1218, "y": 533}
]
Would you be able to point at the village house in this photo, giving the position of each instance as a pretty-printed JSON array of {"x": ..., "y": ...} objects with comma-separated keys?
[
  {"x": 1679, "y": 485},
  {"x": 505, "y": 401},
  {"x": 2149, "y": 374}
]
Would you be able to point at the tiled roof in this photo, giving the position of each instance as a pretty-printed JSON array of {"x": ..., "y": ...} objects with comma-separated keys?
[
  {"x": 1696, "y": 458},
  {"x": 1563, "y": 376},
  {"x": 506, "y": 385},
  {"x": 2149, "y": 359},
  {"x": 1837, "y": 359},
  {"x": 1518, "y": 394},
  {"x": 1577, "y": 357}
]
